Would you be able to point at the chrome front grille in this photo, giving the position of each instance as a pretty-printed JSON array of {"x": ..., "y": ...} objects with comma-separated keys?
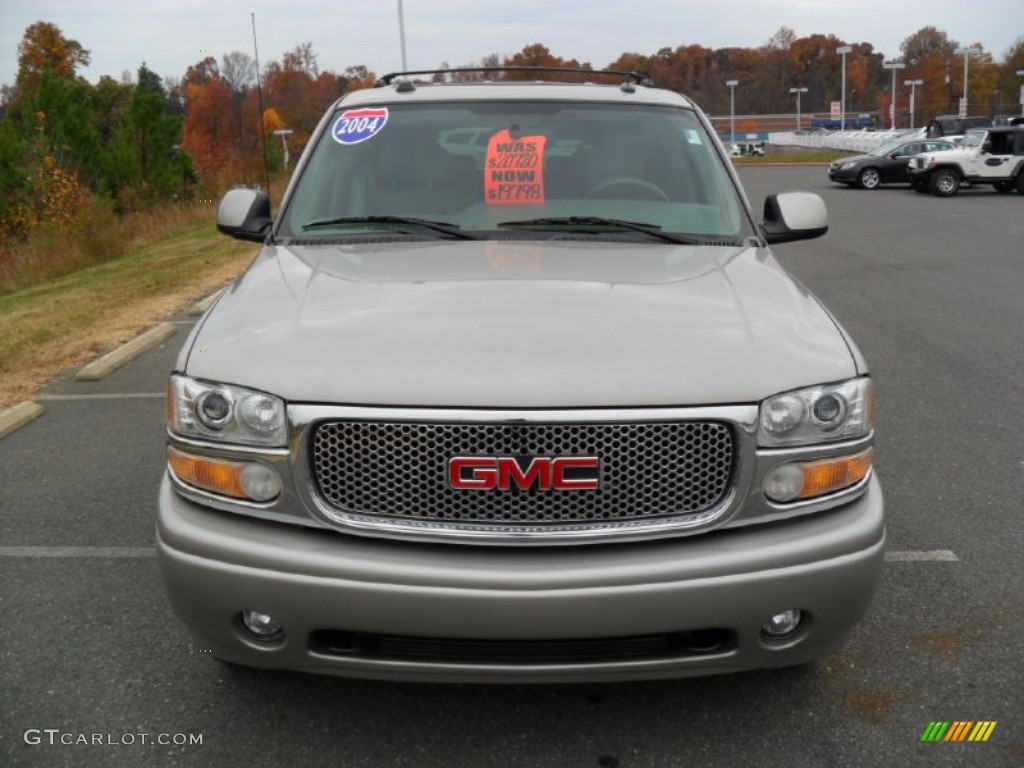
[{"x": 396, "y": 471}]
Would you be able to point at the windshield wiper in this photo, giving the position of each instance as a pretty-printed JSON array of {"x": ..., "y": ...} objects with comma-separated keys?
[
  {"x": 590, "y": 223},
  {"x": 444, "y": 227}
]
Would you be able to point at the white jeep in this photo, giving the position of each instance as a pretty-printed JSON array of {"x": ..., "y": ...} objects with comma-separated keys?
[{"x": 987, "y": 156}]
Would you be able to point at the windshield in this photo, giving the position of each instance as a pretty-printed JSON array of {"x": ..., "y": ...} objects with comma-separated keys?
[
  {"x": 503, "y": 169},
  {"x": 886, "y": 148},
  {"x": 973, "y": 139}
]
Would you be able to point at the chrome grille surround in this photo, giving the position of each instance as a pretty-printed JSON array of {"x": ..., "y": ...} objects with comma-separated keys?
[{"x": 706, "y": 453}]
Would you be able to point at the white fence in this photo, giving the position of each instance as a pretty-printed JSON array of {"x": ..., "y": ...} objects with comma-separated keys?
[{"x": 853, "y": 141}]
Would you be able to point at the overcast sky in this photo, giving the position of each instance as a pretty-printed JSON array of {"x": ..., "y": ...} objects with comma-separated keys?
[{"x": 169, "y": 35}]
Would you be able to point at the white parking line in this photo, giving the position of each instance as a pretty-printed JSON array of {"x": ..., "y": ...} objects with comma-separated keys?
[
  {"x": 920, "y": 556},
  {"x": 114, "y": 552}
]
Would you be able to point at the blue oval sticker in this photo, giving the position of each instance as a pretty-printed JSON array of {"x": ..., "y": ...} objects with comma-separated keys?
[{"x": 357, "y": 125}]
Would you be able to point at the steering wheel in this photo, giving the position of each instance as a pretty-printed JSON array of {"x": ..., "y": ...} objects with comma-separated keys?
[{"x": 654, "y": 192}]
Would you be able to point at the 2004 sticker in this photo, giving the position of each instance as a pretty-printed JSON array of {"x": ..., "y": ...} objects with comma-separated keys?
[{"x": 358, "y": 125}]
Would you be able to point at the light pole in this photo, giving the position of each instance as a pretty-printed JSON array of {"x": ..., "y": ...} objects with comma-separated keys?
[
  {"x": 401, "y": 34},
  {"x": 1020, "y": 73},
  {"x": 913, "y": 86},
  {"x": 798, "y": 91},
  {"x": 842, "y": 51},
  {"x": 893, "y": 65},
  {"x": 732, "y": 108},
  {"x": 966, "y": 53},
  {"x": 283, "y": 132}
]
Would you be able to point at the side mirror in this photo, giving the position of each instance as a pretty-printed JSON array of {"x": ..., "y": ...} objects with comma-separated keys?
[
  {"x": 793, "y": 216},
  {"x": 245, "y": 214}
]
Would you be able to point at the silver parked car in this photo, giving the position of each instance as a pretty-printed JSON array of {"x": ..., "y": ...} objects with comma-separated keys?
[{"x": 532, "y": 402}]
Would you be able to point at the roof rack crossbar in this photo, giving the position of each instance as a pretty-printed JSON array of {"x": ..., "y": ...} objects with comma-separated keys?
[{"x": 639, "y": 78}]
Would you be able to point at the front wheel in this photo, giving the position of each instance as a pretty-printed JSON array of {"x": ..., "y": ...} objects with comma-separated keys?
[
  {"x": 869, "y": 178},
  {"x": 945, "y": 183},
  {"x": 1020, "y": 183}
]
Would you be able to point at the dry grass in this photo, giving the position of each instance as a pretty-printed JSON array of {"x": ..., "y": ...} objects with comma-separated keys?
[
  {"x": 93, "y": 235},
  {"x": 67, "y": 321}
]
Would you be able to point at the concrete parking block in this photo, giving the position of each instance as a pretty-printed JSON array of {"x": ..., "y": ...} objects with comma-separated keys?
[
  {"x": 111, "y": 361},
  {"x": 202, "y": 305},
  {"x": 18, "y": 416}
]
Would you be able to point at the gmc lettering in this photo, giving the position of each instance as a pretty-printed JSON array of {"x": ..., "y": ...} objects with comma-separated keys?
[{"x": 547, "y": 473}]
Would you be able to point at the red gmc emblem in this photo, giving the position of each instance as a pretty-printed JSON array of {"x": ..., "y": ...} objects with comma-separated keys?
[{"x": 547, "y": 473}]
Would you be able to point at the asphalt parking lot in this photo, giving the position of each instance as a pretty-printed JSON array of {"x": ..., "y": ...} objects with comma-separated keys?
[{"x": 933, "y": 292}]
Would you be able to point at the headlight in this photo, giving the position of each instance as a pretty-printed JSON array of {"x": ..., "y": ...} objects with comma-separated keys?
[
  {"x": 225, "y": 413},
  {"x": 847, "y": 166},
  {"x": 822, "y": 414}
]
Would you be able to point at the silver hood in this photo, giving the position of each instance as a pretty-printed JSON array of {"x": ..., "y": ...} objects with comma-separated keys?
[{"x": 518, "y": 325}]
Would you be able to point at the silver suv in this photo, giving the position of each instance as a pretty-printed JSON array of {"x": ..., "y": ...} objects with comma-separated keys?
[{"x": 515, "y": 390}]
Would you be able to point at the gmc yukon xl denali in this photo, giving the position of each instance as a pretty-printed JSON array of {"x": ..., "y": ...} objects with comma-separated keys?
[{"x": 515, "y": 390}]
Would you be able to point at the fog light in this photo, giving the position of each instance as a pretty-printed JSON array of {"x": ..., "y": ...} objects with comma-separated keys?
[
  {"x": 784, "y": 483},
  {"x": 262, "y": 625},
  {"x": 782, "y": 624},
  {"x": 260, "y": 482}
]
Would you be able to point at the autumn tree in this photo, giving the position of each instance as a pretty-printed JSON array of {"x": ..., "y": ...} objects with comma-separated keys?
[
  {"x": 631, "y": 62},
  {"x": 210, "y": 134},
  {"x": 930, "y": 55},
  {"x": 356, "y": 78},
  {"x": 537, "y": 55},
  {"x": 238, "y": 71},
  {"x": 48, "y": 136},
  {"x": 300, "y": 92},
  {"x": 43, "y": 48}
]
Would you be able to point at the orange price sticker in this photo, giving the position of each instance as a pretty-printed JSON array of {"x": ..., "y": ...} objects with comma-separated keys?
[{"x": 514, "y": 170}]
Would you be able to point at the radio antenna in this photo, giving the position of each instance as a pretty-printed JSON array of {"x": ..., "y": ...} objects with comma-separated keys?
[{"x": 259, "y": 94}]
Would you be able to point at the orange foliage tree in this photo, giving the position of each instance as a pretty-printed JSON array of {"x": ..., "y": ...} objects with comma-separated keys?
[
  {"x": 211, "y": 129},
  {"x": 44, "y": 47}
]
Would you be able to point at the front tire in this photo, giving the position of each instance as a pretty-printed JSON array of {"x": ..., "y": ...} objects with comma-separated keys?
[
  {"x": 1020, "y": 183},
  {"x": 869, "y": 178},
  {"x": 945, "y": 183}
]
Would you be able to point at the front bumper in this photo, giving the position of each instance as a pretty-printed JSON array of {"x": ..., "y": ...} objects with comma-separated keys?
[
  {"x": 842, "y": 176},
  {"x": 216, "y": 564}
]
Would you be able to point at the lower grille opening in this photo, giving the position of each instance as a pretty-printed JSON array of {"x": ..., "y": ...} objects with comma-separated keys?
[{"x": 362, "y": 645}]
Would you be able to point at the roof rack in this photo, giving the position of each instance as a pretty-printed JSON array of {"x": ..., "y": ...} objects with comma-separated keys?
[{"x": 640, "y": 78}]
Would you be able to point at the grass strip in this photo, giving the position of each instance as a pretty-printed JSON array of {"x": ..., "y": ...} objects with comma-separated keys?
[
  {"x": 823, "y": 157},
  {"x": 55, "y": 325}
]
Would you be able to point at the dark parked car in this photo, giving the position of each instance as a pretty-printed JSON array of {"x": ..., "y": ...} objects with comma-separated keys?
[{"x": 885, "y": 165}]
